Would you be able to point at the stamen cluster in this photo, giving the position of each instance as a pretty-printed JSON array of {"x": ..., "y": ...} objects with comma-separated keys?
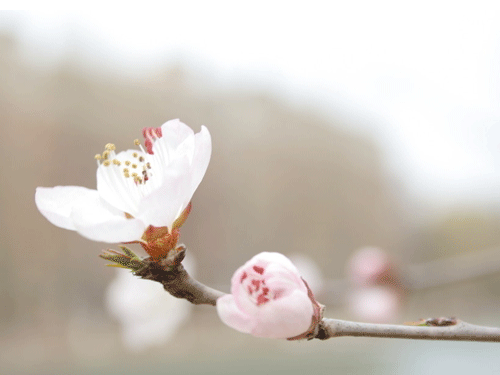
[{"x": 131, "y": 167}]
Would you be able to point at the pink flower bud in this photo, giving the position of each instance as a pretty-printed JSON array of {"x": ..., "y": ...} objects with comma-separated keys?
[{"x": 269, "y": 299}]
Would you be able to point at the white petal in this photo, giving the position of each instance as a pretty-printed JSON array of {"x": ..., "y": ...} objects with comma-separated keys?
[
  {"x": 186, "y": 148},
  {"x": 95, "y": 219},
  {"x": 201, "y": 157},
  {"x": 120, "y": 192},
  {"x": 173, "y": 133},
  {"x": 57, "y": 202},
  {"x": 163, "y": 205},
  {"x": 285, "y": 317},
  {"x": 231, "y": 315}
]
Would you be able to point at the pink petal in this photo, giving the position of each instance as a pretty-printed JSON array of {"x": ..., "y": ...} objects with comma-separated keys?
[
  {"x": 276, "y": 259},
  {"x": 97, "y": 220},
  {"x": 285, "y": 317},
  {"x": 56, "y": 203},
  {"x": 231, "y": 315},
  {"x": 276, "y": 273}
]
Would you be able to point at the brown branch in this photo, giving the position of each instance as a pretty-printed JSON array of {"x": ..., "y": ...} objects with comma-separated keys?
[
  {"x": 178, "y": 283},
  {"x": 459, "y": 332}
]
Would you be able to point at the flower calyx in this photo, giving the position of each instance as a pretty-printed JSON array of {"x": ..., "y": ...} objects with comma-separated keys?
[
  {"x": 128, "y": 259},
  {"x": 158, "y": 242}
]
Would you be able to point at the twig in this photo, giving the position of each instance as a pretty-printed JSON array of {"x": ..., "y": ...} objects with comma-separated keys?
[
  {"x": 178, "y": 283},
  {"x": 461, "y": 331}
]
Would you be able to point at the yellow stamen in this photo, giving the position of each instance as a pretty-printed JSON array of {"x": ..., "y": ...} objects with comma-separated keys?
[
  {"x": 127, "y": 163},
  {"x": 136, "y": 142},
  {"x": 106, "y": 163},
  {"x": 134, "y": 165},
  {"x": 98, "y": 157},
  {"x": 135, "y": 154}
]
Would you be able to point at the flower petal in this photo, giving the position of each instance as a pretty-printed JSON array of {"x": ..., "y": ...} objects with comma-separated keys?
[
  {"x": 174, "y": 132},
  {"x": 231, "y": 315},
  {"x": 201, "y": 157},
  {"x": 57, "y": 202},
  {"x": 163, "y": 205},
  {"x": 285, "y": 317},
  {"x": 97, "y": 220},
  {"x": 276, "y": 273},
  {"x": 275, "y": 258},
  {"x": 114, "y": 188}
]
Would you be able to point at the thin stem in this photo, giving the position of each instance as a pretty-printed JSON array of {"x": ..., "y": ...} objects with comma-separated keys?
[
  {"x": 461, "y": 331},
  {"x": 177, "y": 282}
]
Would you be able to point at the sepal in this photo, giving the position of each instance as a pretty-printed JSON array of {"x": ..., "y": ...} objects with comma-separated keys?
[
  {"x": 182, "y": 217},
  {"x": 128, "y": 259}
]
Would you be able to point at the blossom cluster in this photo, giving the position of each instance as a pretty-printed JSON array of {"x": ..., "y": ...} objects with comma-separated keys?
[{"x": 143, "y": 196}]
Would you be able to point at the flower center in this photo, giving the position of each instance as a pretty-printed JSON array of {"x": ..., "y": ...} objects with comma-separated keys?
[{"x": 136, "y": 166}]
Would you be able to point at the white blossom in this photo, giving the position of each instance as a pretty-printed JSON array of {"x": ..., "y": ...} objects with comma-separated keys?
[{"x": 135, "y": 188}]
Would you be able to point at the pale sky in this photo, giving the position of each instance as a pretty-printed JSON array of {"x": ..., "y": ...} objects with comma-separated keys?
[{"x": 423, "y": 78}]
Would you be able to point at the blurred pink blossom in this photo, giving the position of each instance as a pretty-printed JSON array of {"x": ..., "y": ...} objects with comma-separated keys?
[
  {"x": 375, "y": 304},
  {"x": 367, "y": 265},
  {"x": 268, "y": 299},
  {"x": 377, "y": 289}
]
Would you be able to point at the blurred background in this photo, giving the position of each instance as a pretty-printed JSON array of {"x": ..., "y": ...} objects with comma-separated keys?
[{"x": 335, "y": 126}]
